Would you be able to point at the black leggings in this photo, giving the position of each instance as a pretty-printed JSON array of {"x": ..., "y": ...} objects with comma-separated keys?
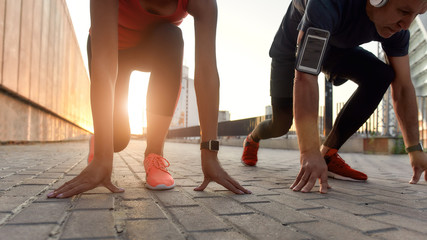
[{"x": 372, "y": 76}]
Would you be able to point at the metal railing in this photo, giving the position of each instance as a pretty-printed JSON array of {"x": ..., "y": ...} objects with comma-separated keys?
[{"x": 380, "y": 124}]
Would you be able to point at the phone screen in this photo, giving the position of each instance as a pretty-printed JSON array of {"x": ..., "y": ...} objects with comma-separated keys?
[{"x": 312, "y": 52}]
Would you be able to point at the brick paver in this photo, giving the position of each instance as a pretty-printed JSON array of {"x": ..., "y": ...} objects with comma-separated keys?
[{"x": 384, "y": 207}]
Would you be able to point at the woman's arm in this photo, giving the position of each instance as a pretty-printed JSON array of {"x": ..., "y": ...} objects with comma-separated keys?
[
  {"x": 104, "y": 18},
  {"x": 206, "y": 82},
  {"x": 104, "y": 14}
]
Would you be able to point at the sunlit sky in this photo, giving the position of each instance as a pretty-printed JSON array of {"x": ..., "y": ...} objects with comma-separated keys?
[{"x": 245, "y": 32}]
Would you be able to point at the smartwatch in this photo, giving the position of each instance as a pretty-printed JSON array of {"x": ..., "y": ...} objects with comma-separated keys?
[
  {"x": 211, "y": 145},
  {"x": 414, "y": 148}
]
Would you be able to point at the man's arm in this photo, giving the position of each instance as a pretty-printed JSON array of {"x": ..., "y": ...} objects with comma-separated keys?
[
  {"x": 405, "y": 105},
  {"x": 306, "y": 104},
  {"x": 206, "y": 81}
]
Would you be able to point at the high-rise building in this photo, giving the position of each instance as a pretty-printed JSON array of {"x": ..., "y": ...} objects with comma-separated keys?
[
  {"x": 186, "y": 113},
  {"x": 418, "y": 54},
  {"x": 418, "y": 62},
  {"x": 223, "y": 116}
]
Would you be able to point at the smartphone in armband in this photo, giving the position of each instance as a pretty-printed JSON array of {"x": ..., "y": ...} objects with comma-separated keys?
[{"x": 311, "y": 51}]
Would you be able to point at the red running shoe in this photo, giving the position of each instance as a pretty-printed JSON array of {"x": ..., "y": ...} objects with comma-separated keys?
[
  {"x": 91, "y": 149},
  {"x": 338, "y": 169},
  {"x": 250, "y": 151}
]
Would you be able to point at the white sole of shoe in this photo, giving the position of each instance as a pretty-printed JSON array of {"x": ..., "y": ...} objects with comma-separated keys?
[
  {"x": 159, "y": 187},
  {"x": 244, "y": 164},
  {"x": 339, "y": 177}
]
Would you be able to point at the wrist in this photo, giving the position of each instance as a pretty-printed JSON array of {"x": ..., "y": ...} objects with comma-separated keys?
[
  {"x": 415, "y": 148},
  {"x": 208, "y": 155},
  {"x": 210, "y": 145}
]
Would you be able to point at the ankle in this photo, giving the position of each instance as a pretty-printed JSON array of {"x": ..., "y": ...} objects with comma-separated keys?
[
  {"x": 323, "y": 150},
  {"x": 154, "y": 152},
  {"x": 254, "y": 138}
]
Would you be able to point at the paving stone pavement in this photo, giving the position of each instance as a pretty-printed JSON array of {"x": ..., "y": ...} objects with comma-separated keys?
[{"x": 384, "y": 207}]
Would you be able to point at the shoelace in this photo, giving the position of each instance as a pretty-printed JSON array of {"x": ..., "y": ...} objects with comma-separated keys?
[
  {"x": 156, "y": 161},
  {"x": 340, "y": 162}
]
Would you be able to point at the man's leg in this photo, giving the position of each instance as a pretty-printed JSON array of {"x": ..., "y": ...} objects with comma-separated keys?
[
  {"x": 281, "y": 88},
  {"x": 373, "y": 78},
  {"x": 280, "y": 122}
]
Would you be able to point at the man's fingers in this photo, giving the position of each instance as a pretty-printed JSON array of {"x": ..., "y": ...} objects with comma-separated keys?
[
  {"x": 416, "y": 176},
  {"x": 303, "y": 181},
  {"x": 324, "y": 185},
  {"x": 202, "y": 186},
  {"x": 297, "y": 180},
  {"x": 310, "y": 184}
]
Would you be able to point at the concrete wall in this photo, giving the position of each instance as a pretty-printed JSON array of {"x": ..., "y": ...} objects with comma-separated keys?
[{"x": 44, "y": 86}]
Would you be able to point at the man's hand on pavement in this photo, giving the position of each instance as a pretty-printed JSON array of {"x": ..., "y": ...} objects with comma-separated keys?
[
  {"x": 419, "y": 165},
  {"x": 313, "y": 167}
]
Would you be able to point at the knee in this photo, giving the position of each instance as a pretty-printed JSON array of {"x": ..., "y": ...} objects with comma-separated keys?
[
  {"x": 284, "y": 126},
  {"x": 119, "y": 145},
  {"x": 382, "y": 77},
  {"x": 121, "y": 131},
  {"x": 281, "y": 125},
  {"x": 121, "y": 139},
  {"x": 169, "y": 36},
  {"x": 387, "y": 74}
]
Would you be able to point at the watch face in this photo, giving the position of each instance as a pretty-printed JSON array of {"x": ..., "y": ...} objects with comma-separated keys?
[{"x": 214, "y": 145}]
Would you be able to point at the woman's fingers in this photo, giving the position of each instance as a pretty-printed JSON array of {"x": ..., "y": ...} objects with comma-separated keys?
[{"x": 204, "y": 184}]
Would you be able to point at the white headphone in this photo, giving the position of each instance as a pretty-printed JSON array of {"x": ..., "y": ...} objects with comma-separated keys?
[{"x": 378, "y": 3}]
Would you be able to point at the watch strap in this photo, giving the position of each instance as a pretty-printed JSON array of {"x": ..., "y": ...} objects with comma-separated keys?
[
  {"x": 414, "y": 148},
  {"x": 211, "y": 145}
]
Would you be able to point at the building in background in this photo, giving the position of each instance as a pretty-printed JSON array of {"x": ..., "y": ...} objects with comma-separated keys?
[
  {"x": 186, "y": 113},
  {"x": 418, "y": 61},
  {"x": 268, "y": 110},
  {"x": 418, "y": 54},
  {"x": 223, "y": 116}
]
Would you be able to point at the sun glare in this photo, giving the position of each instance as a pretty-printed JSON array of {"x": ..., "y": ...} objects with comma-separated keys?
[{"x": 136, "y": 101}]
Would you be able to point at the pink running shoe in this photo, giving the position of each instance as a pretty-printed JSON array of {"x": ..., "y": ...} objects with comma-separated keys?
[
  {"x": 250, "y": 151},
  {"x": 91, "y": 149},
  {"x": 157, "y": 176}
]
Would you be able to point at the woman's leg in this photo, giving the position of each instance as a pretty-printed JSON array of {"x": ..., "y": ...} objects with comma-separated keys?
[
  {"x": 165, "y": 84},
  {"x": 160, "y": 53},
  {"x": 121, "y": 125},
  {"x": 121, "y": 115}
]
